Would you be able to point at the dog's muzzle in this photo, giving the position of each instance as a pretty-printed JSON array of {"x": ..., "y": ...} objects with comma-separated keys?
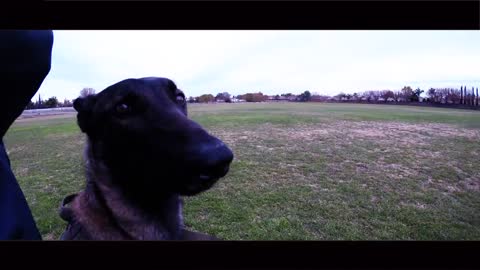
[{"x": 212, "y": 163}]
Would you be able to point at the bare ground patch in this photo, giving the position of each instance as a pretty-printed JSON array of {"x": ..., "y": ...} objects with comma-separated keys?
[
  {"x": 49, "y": 237},
  {"x": 472, "y": 183},
  {"x": 393, "y": 151},
  {"x": 407, "y": 133},
  {"x": 36, "y": 117},
  {"x": 14, "y": 150}
]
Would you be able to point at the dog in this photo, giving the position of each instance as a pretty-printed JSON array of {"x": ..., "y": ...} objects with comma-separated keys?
[{"x": 142, "y": 155}]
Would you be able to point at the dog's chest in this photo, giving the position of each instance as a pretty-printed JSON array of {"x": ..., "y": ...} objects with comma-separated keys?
[
  {"x": 119, "y": 220},
  {"x": 167, "y": 224}
]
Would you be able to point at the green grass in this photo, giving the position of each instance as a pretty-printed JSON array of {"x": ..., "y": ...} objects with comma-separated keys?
[{"x": 301, "y": 171}]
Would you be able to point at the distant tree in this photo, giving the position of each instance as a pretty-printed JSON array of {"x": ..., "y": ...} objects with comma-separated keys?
[
  {"x": 442, "y": 95},
  {"x": 319, "y": 98},
  {"x": 397, "y": 95},
  {"x": 219, "y": 96},
  {"x": 66, "y": 103},
  {"x": 39, "y": 103},
  {"x": 225, "y": 96},
  {"x": 249, "y": 97},
  {"x": 446, "y": 95},
  {"x": 386, "y": 94},
  {"x": 240, "y": 97},
  {"x": 415, "y": 96},
  {"x": 431, "y": 93},
  {"x": 461, "y": 95},
  {"x": 206, "y": 98},
  {"x": 30, "y": 105},
  {"x": 254, "y": 97},
  {"x": 407, "y": 93},
  {"x": 51, "y": 102},
  {"x": 87, "y": 91},
  {"x": 371, "y": 95},
  {"x": 261, "y": 97},
  {"x": 375, "y": 95},
  {"x": 473, "y": 97},
  {"x": 366, "y": 96},
  {"x": 477, "y": 97},
  {"x": 191, "y": 100},
  {"x": 341, "y": 96},
  {"x": 453, "y": 96},
  {"x": 305, "y": 96}
]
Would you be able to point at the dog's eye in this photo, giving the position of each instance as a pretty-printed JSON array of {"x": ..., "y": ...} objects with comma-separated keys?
[
  {"x": 122, "y": 108},
  {"x": 180, "y": 99}
]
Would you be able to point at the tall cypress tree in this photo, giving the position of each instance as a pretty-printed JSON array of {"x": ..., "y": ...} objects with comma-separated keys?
[
  {"x": 473, "y": 96},
  {"x": 477, "y": 97},
  {"x": 461, "y": 94}
]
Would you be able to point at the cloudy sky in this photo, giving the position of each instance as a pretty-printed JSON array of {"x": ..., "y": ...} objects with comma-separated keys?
[{"x": 273, "y": 62}]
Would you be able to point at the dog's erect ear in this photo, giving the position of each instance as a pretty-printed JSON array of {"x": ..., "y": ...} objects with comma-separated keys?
[
  {"x": 84, "y": 107},
  {"x": 83, "y": 104},
  {"x": 185, "y": 104}
]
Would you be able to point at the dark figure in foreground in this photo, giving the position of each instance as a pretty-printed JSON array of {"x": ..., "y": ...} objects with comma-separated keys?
[
  {"x": 25, "y": 58},
  {"x": 142, "y": 155}
]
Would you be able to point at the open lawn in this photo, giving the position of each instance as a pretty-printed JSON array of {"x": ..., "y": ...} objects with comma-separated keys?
[{"x": 301, "y": 171}]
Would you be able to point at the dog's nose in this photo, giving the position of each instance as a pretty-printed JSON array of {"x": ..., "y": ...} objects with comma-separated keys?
[{"x": 216, "y": 158}]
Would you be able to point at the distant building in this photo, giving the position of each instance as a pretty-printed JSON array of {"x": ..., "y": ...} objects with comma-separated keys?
[
  {"x": 236, "y": 100},
  {"x": 318, "y": 98},
  {"x": 277, "y": 98}
]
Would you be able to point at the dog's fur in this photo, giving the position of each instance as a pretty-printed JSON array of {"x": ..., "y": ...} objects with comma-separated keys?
[{"x": 142, "y": 155}]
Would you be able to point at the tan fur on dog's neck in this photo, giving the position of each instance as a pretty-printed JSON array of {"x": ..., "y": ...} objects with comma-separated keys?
[{"x": 105, "y": 214}]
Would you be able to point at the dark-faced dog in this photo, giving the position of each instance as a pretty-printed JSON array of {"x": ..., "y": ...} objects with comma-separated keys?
[{"x": 142, "y": 154}]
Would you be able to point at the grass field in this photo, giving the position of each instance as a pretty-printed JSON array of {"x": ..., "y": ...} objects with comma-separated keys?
[{"x": 301, "y": 171}]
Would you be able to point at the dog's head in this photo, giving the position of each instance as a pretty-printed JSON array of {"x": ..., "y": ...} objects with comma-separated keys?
[{"x": 139, "y": 130}]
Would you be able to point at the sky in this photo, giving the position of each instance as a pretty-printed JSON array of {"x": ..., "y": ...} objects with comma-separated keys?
[{"x": 272, "y": 62}]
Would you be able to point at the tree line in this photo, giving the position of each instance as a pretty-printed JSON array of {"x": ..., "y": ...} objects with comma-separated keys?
[
  {"x": 53, "y": 102},
  {"x": 462, "y": 96},
  {"x": 454, "y": 96},
  {"x": 407, "y": 94},
  {"x": 248, "y": 97}
]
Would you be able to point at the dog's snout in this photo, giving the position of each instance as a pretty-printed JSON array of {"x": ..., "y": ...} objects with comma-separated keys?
[
  {"x": 215, "y": 158},
  {"x": 217, "y": 155}
]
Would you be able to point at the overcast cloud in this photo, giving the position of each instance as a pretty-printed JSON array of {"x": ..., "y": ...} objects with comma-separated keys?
[{"x": 273, "y": 62}]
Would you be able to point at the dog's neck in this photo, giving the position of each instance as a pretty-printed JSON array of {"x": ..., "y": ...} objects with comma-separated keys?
[{"x": 106, "y": 214}]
